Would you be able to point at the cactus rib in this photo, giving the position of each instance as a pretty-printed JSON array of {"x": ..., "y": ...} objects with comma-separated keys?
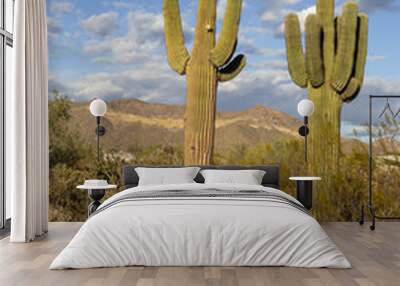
[
  {"x": 223, "y": 51},
  {"x": 231, "y": 70},
  {"x": 356, "y": 82},
  {"x": 177, "y": 54},
  {"x": 314, "y": 65},
  {"x": 362, "y": 46},
  {"x": 347, "y": 33},
  {"x": 351, "y": 91},
  {"x": 295, "y": 55},
  {"x": 326, "y": 11}
]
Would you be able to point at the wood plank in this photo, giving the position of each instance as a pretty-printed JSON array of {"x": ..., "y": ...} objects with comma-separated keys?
[{"x": 375, "y": 257}]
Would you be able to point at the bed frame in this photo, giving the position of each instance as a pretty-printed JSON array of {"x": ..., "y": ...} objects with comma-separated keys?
[{"x": 270, "y": 179}]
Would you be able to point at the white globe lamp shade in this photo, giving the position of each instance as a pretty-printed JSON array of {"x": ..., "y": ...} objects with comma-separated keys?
[
  {"x": 305, "y": 107},
  {"x": 98, "y": 107}
]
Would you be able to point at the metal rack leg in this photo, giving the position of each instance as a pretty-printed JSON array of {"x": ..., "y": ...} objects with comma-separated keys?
[
  {"x": 361, "y": 221},
  {"x": 370, "y": 207},
  {"x": 372, "y": 226},
  {"x": 373, "y": 214}
]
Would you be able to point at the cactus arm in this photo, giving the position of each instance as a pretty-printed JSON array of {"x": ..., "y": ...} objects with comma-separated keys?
[
  {"x": 344, "y": 60},
  {"x": 177, "y": 54},
  {"x": 362, "y": 47},
  {"x": 326, "y": 11},
  {"x": 295, "y": 55},
  {"x": 225, "y": 47},
  {"x": 356, "y": 82},
  {"x": 231, "y": 70},
  {"x": 314, "y": 65},
  {"x": 351, "y": 91}
]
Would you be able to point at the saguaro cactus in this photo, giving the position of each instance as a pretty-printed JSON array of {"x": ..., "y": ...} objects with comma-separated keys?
[
  {"x": 332, "y": 69},
  {"x": 209, "y": 64}
]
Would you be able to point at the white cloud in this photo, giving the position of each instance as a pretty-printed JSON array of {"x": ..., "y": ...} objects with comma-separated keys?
[
  {"x": 252, "y": 29},
  {"x": 271, "y": 16},
  {"x": 96, "y": 47},
  {"x": 62, "y": 7},
  {"x": 146, "y": 27},
  {"x": 144, "y": 37},
  {"x": 357, "y": 110},
  {"x": 302, "y": 18},
  {"x": 277, "y": 64},
  {"x": 303, "y": 15},
  {"x": 290, "y": 2},
  {"x": 151, "y": 78},
  {"x": 379, "y": 84},
  {"x": 221, "y": 8},
  {"x": 377, "y": 5},
  {"x": 53, "y": 27},
  {"x": 261, "y": 84},
  {"x": 376, "y": 58},
  {"x": 121, "y": 4},
  {"x": 276, "y": 10},
  {"x": 102, "y": 24},
  {"x": 356, "y": 131},
  {"x": 96, "y": 85},
  {"x": 151, "y": 81},
  {"x": 250, "y": 47},
  {"x": 145, "y": 33}
]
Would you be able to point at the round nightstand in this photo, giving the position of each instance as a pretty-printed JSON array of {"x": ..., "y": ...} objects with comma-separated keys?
[
  {"x": 304, "y": 189},
  {"x": 96, "y": 193}
]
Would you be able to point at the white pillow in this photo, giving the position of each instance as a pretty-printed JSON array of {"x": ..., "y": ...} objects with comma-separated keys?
[
  {"x": 248, "y": 177},
  {"x": 165, "y": 176}
]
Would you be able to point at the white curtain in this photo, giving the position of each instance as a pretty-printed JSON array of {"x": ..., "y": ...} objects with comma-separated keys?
[{"x": 27, "y": 145}]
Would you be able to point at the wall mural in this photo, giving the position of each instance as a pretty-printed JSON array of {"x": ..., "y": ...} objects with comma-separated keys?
[{"x": 128, "y": 53}]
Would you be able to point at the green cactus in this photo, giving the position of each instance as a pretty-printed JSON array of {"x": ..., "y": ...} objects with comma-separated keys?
[
  {"x": 332, "y": 70},
  {"x": 209, "y": 64}
]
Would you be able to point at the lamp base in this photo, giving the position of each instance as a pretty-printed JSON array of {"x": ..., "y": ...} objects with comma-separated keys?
[
  {"x": 100, "y": 130},
  {"x": 304, "y": 131}
]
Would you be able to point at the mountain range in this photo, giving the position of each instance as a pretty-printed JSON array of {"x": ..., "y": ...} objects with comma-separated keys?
[{"x": 132, "y": 123}]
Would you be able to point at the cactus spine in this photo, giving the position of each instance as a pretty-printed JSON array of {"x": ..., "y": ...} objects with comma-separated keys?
[
  {"x": 209, "y": 64},
  {"x": 332, "y": 70}
]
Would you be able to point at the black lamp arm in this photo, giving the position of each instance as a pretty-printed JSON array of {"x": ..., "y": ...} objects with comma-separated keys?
[
  {"x": 100, "y": 129},
  {"x": 303, "y": 131}
]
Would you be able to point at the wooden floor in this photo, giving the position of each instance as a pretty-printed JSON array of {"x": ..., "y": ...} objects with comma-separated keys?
[{"x": 375, "y": 257}]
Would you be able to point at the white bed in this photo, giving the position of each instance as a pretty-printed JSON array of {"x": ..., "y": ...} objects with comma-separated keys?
[{"x": 202, "y": 231}]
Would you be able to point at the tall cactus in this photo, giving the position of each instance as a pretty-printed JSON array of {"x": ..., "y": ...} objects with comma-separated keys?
[
  {"x": 332, "y": 69},
  {"x": 209, "y": 64}
]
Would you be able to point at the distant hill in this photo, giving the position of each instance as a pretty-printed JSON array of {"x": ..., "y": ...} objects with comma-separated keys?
[{"x": 132, "y": 122}]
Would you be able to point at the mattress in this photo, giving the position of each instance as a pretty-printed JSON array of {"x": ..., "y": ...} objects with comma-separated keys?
[{"x": 201, "y": 225}]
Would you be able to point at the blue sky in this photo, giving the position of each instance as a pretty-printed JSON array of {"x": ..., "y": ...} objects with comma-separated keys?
[{"x": 114, "y": 49}]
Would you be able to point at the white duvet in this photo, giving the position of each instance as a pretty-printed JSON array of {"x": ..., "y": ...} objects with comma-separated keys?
[{"x": 200, "y": 231}]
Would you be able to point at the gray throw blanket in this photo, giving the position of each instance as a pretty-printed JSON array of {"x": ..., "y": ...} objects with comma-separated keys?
[{"x": 205, "y": 193}]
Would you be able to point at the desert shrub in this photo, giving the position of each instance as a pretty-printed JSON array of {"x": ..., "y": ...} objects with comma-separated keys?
[
  {"x": 289, "y": 155},
  {"x": 66, "y": 202},
  {"x": 350, "y": 186},
  {"x": 72, "y": 160},
  {"x": 158, "y": 154}
]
